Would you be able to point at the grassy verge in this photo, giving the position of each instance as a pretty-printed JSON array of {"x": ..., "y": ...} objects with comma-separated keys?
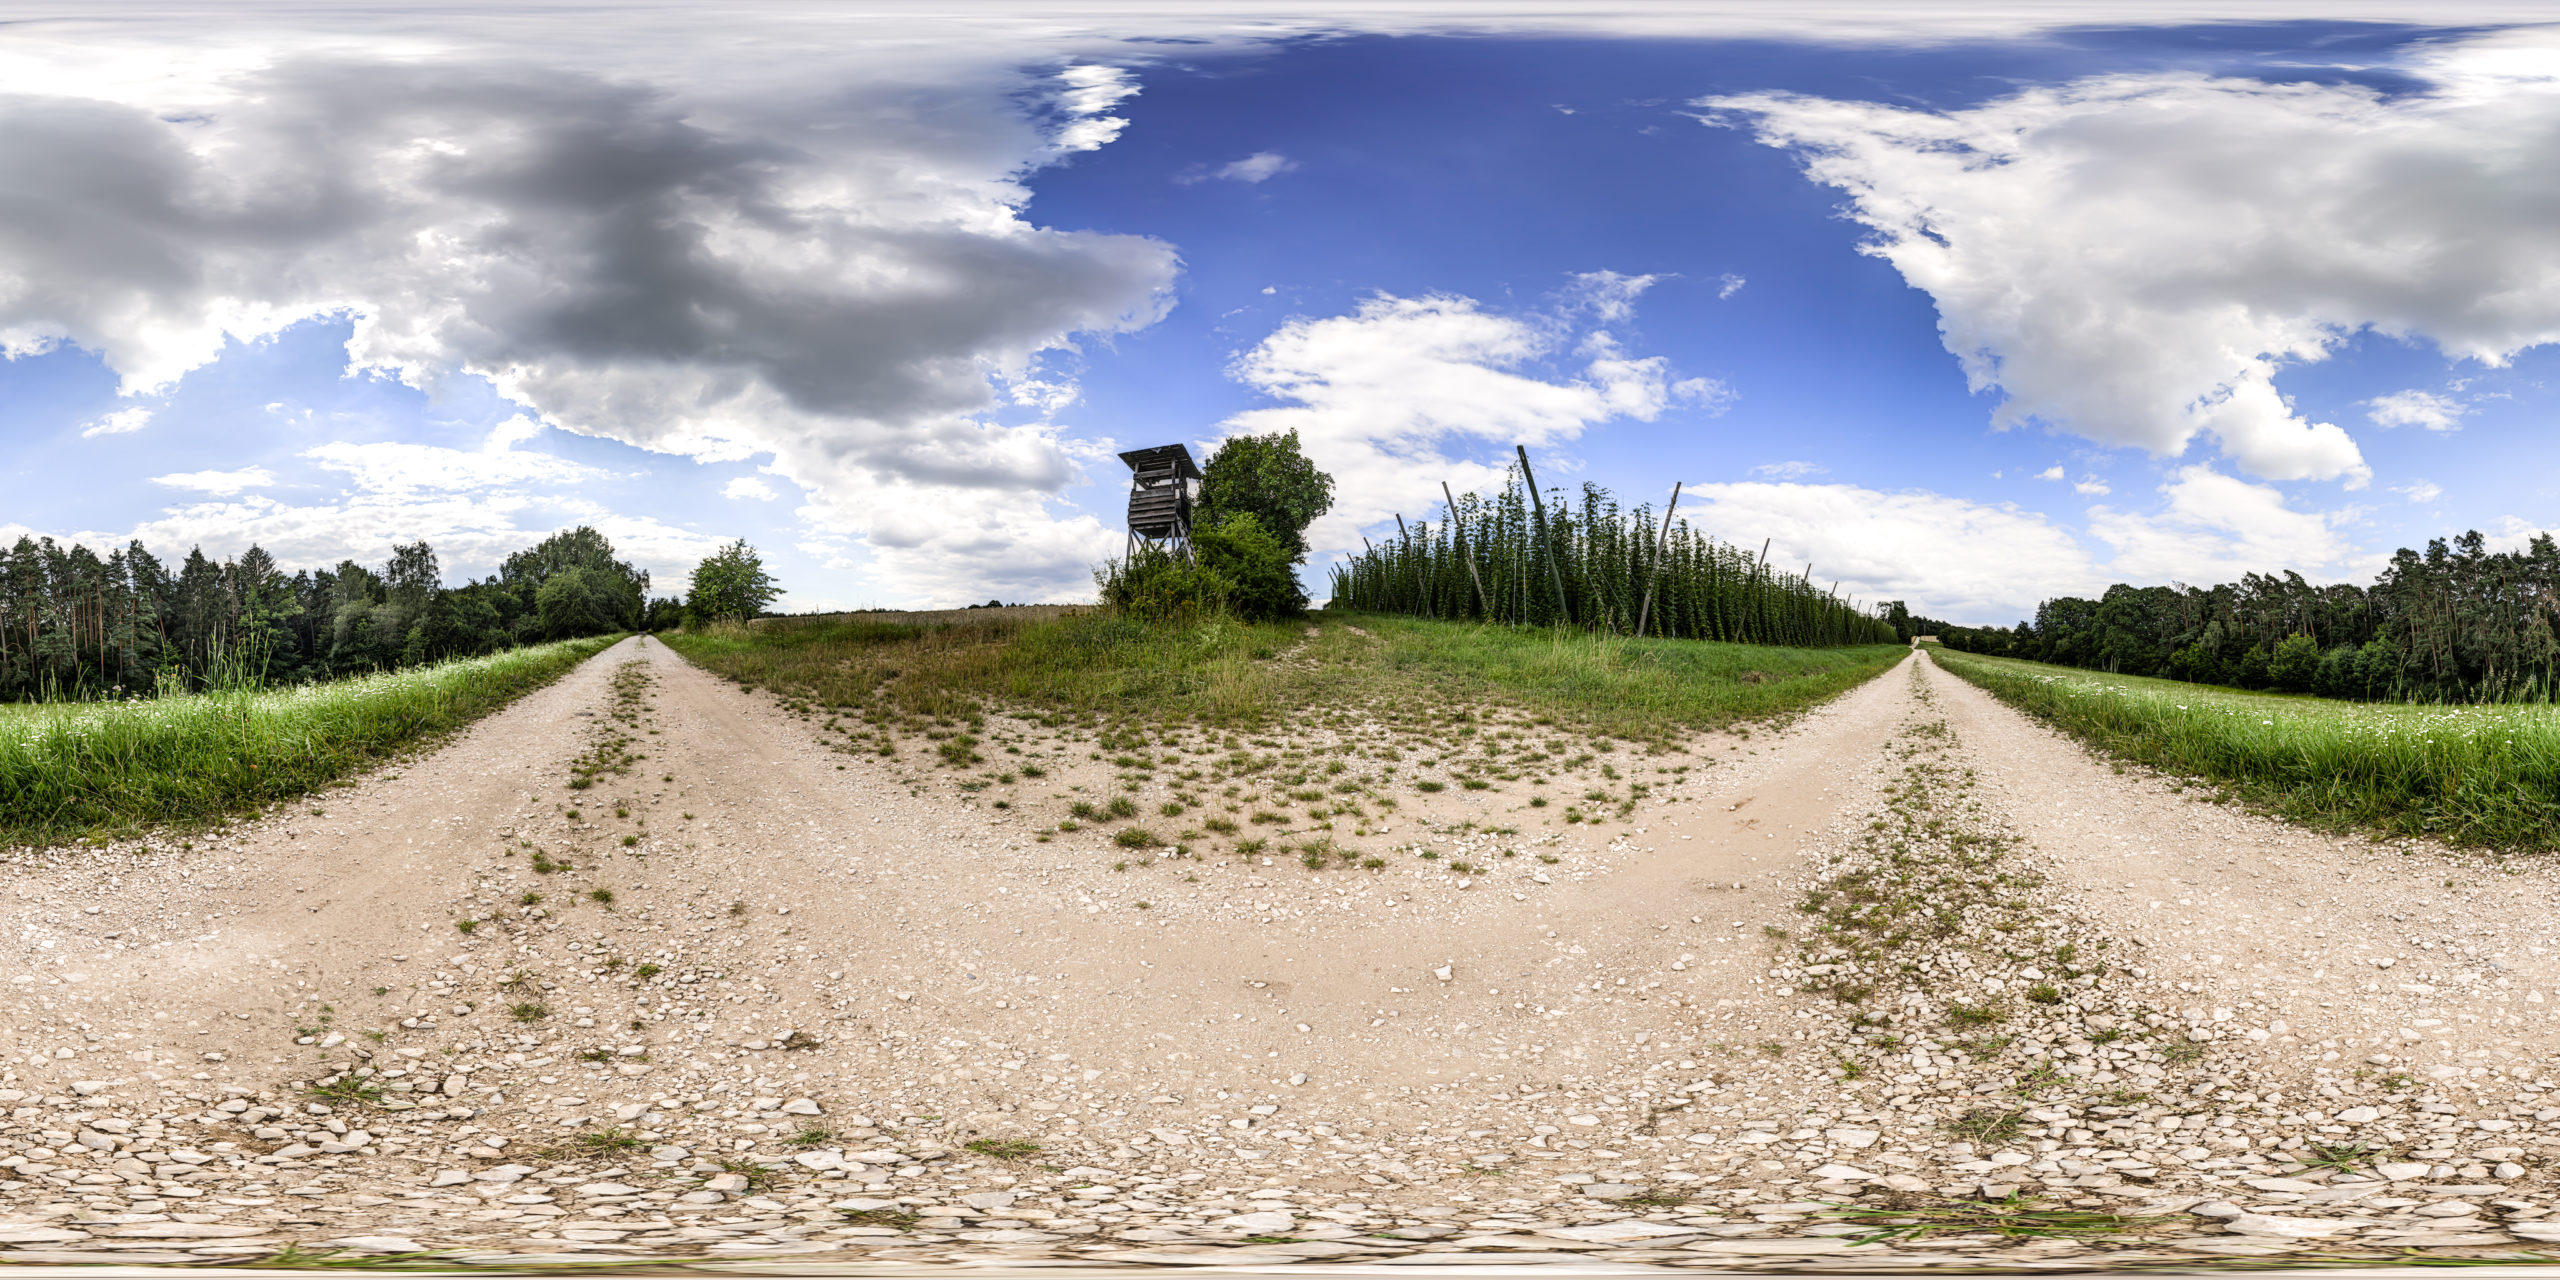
[
  {"x": 1095, "y": 666},
  {"x": 2473, "y": 775},
  {"x": 77, "y": 770}
]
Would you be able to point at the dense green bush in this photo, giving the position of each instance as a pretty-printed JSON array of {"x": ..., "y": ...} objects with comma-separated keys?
[
  {"x": 1236, "y": 568},
  {"x": 1260, "y": 584}
]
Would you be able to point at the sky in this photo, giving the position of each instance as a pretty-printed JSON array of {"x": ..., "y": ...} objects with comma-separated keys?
[{"x": 1962, "y": 305}]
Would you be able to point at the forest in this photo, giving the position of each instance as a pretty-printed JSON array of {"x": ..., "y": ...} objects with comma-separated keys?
[
  {"x": 76, "y": 625},
  {"x": 2459, "y": 623}
]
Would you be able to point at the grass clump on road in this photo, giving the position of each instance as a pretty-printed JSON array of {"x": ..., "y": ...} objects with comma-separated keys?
[
  {"x": 1232, "y": 674},
  {"x": 2473, "y": 775},
  {"x": 108, "y": 769}
]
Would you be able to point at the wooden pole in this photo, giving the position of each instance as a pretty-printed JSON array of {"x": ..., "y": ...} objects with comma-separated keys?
[
  {"x": 1458, "y": 543},
  {"x": 1554, "y": 571},
  {"x": 1653, "y": 572}
]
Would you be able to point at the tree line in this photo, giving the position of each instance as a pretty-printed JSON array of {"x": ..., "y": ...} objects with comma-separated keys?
[
  {"x": 2460, "y": 623},
  {"x": 74, "y": 624}
]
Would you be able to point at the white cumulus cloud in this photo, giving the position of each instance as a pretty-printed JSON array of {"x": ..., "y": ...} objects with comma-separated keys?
[
  {"x": 1261, "y": 166},
  {"x": 2420, "y": 491},
  {"x": 1404, "y": 393},
  {"x": 121, "y": 422},
  {"x": 1947, "y": 556},
  {"x": 1789, "y": 470},
  {"x": 219, "y": 483},
  {"x": 2133, "y": 258},
  {"x": 2416, "y": 409},
  {"x": 749, "y": 487},
  {"x": 2213, "y": 527}
]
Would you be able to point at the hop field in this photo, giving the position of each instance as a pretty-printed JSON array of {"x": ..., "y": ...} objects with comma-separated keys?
[
  {"x": 104, "y": 768},
  {"x": 2472, "y": 775}
]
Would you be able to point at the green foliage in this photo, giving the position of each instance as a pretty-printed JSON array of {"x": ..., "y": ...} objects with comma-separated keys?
[
  {"x": 1268, "y": 478},
  {"x": 576, "y": 601},
  {"x": 2295, "y": 664},
  {"x": 1236, "y": 568},
  {"x": 94, "y": 769},
  {"x": 1260, "y": 584},
  {"x": 731, "y": 583},
  {"x": 1498, "y": 560},
  {"x": 2459, "y": 623},
  {"x": 1154, "y": 586},
  {"x": 2469, "y": 775},
  {"x": 606, "y": 595}
]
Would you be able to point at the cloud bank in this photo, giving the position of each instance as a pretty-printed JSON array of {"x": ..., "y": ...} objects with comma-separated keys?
[
  {"x": 2134, "y": 258},
  {"x": 1404, "y": 393},
  {"x": 713, "y": 260}
]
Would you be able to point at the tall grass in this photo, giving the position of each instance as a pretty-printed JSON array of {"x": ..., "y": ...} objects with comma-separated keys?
[
  {"x": 1222, "y": 672},
  {"x": 1597, "y": 567},
  {"x": 2472, "y": 775},
  {"x": 102, "y": 769}
]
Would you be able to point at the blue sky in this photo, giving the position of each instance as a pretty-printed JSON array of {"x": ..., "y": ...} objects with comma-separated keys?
[{"x": 1966, "y": 316}]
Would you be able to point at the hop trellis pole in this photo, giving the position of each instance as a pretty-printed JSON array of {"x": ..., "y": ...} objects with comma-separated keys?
[{"x": 1525, "y": 558}]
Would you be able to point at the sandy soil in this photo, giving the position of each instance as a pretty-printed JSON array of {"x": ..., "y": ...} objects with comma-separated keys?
[{"x": 748, "y": 941}]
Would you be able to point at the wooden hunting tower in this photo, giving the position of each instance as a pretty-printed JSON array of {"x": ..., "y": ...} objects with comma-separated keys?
[{"x": 1163, "y": 484}]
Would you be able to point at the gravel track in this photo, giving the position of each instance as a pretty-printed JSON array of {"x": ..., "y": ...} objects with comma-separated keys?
[{"x": 768, "y": 1005}]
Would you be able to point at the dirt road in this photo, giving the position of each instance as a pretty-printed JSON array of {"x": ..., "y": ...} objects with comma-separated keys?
[{"x": 744, "y": 955}]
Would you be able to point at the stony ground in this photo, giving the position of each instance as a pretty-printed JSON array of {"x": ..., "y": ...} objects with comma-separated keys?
[{"x": 647, "y": 965}]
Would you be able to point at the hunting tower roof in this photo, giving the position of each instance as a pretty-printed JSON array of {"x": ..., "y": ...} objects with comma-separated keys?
[{"x": 1162, "y": 455}]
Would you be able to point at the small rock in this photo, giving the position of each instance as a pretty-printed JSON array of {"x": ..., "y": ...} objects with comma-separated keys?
[
  {"x": 2281, "y": 1184},
  {"x": 503, "y": 1173},
  {"x": 181, "y": 1231},
  {"x": 1612, "y": 1190},
  {"x": 2263, "y": 1224},
  {"x": 801, "y": 1107},
  {"x": 1260, "y": 1224},
  {"x": 1614, "y": 1232},
  {"x": 2402, "y": 1170},
  {"x": 449, "y": 1178},
  {"x": 88, "y": 1088},
  {"x": 2359, "y": 1115},
  {"x": 377, "y": 1244},
  {"x": 726, "y": 1182}
]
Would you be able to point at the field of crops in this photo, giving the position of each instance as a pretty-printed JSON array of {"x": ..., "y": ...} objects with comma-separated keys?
[
  {"x": 1535, "y": 562},
  {"x": 75, "y": 769},
  {"x": 2473, "y": 775}
]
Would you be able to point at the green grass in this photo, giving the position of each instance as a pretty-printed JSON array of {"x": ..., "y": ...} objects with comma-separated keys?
[
  {"x": 1231, "y": 674},
  {"x": 2472, "y": 775},
  {"x": 102, "y": 770}
]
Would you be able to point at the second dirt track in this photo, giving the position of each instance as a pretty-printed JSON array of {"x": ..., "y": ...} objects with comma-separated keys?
[{"x": 792, "y": 999}]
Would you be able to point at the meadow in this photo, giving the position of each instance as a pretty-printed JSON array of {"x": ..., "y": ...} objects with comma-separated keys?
[
  {"x": 102, "y": 769},
  {"x": 1098, "y": 666},
  {"x": 2469, "y": 775}
]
